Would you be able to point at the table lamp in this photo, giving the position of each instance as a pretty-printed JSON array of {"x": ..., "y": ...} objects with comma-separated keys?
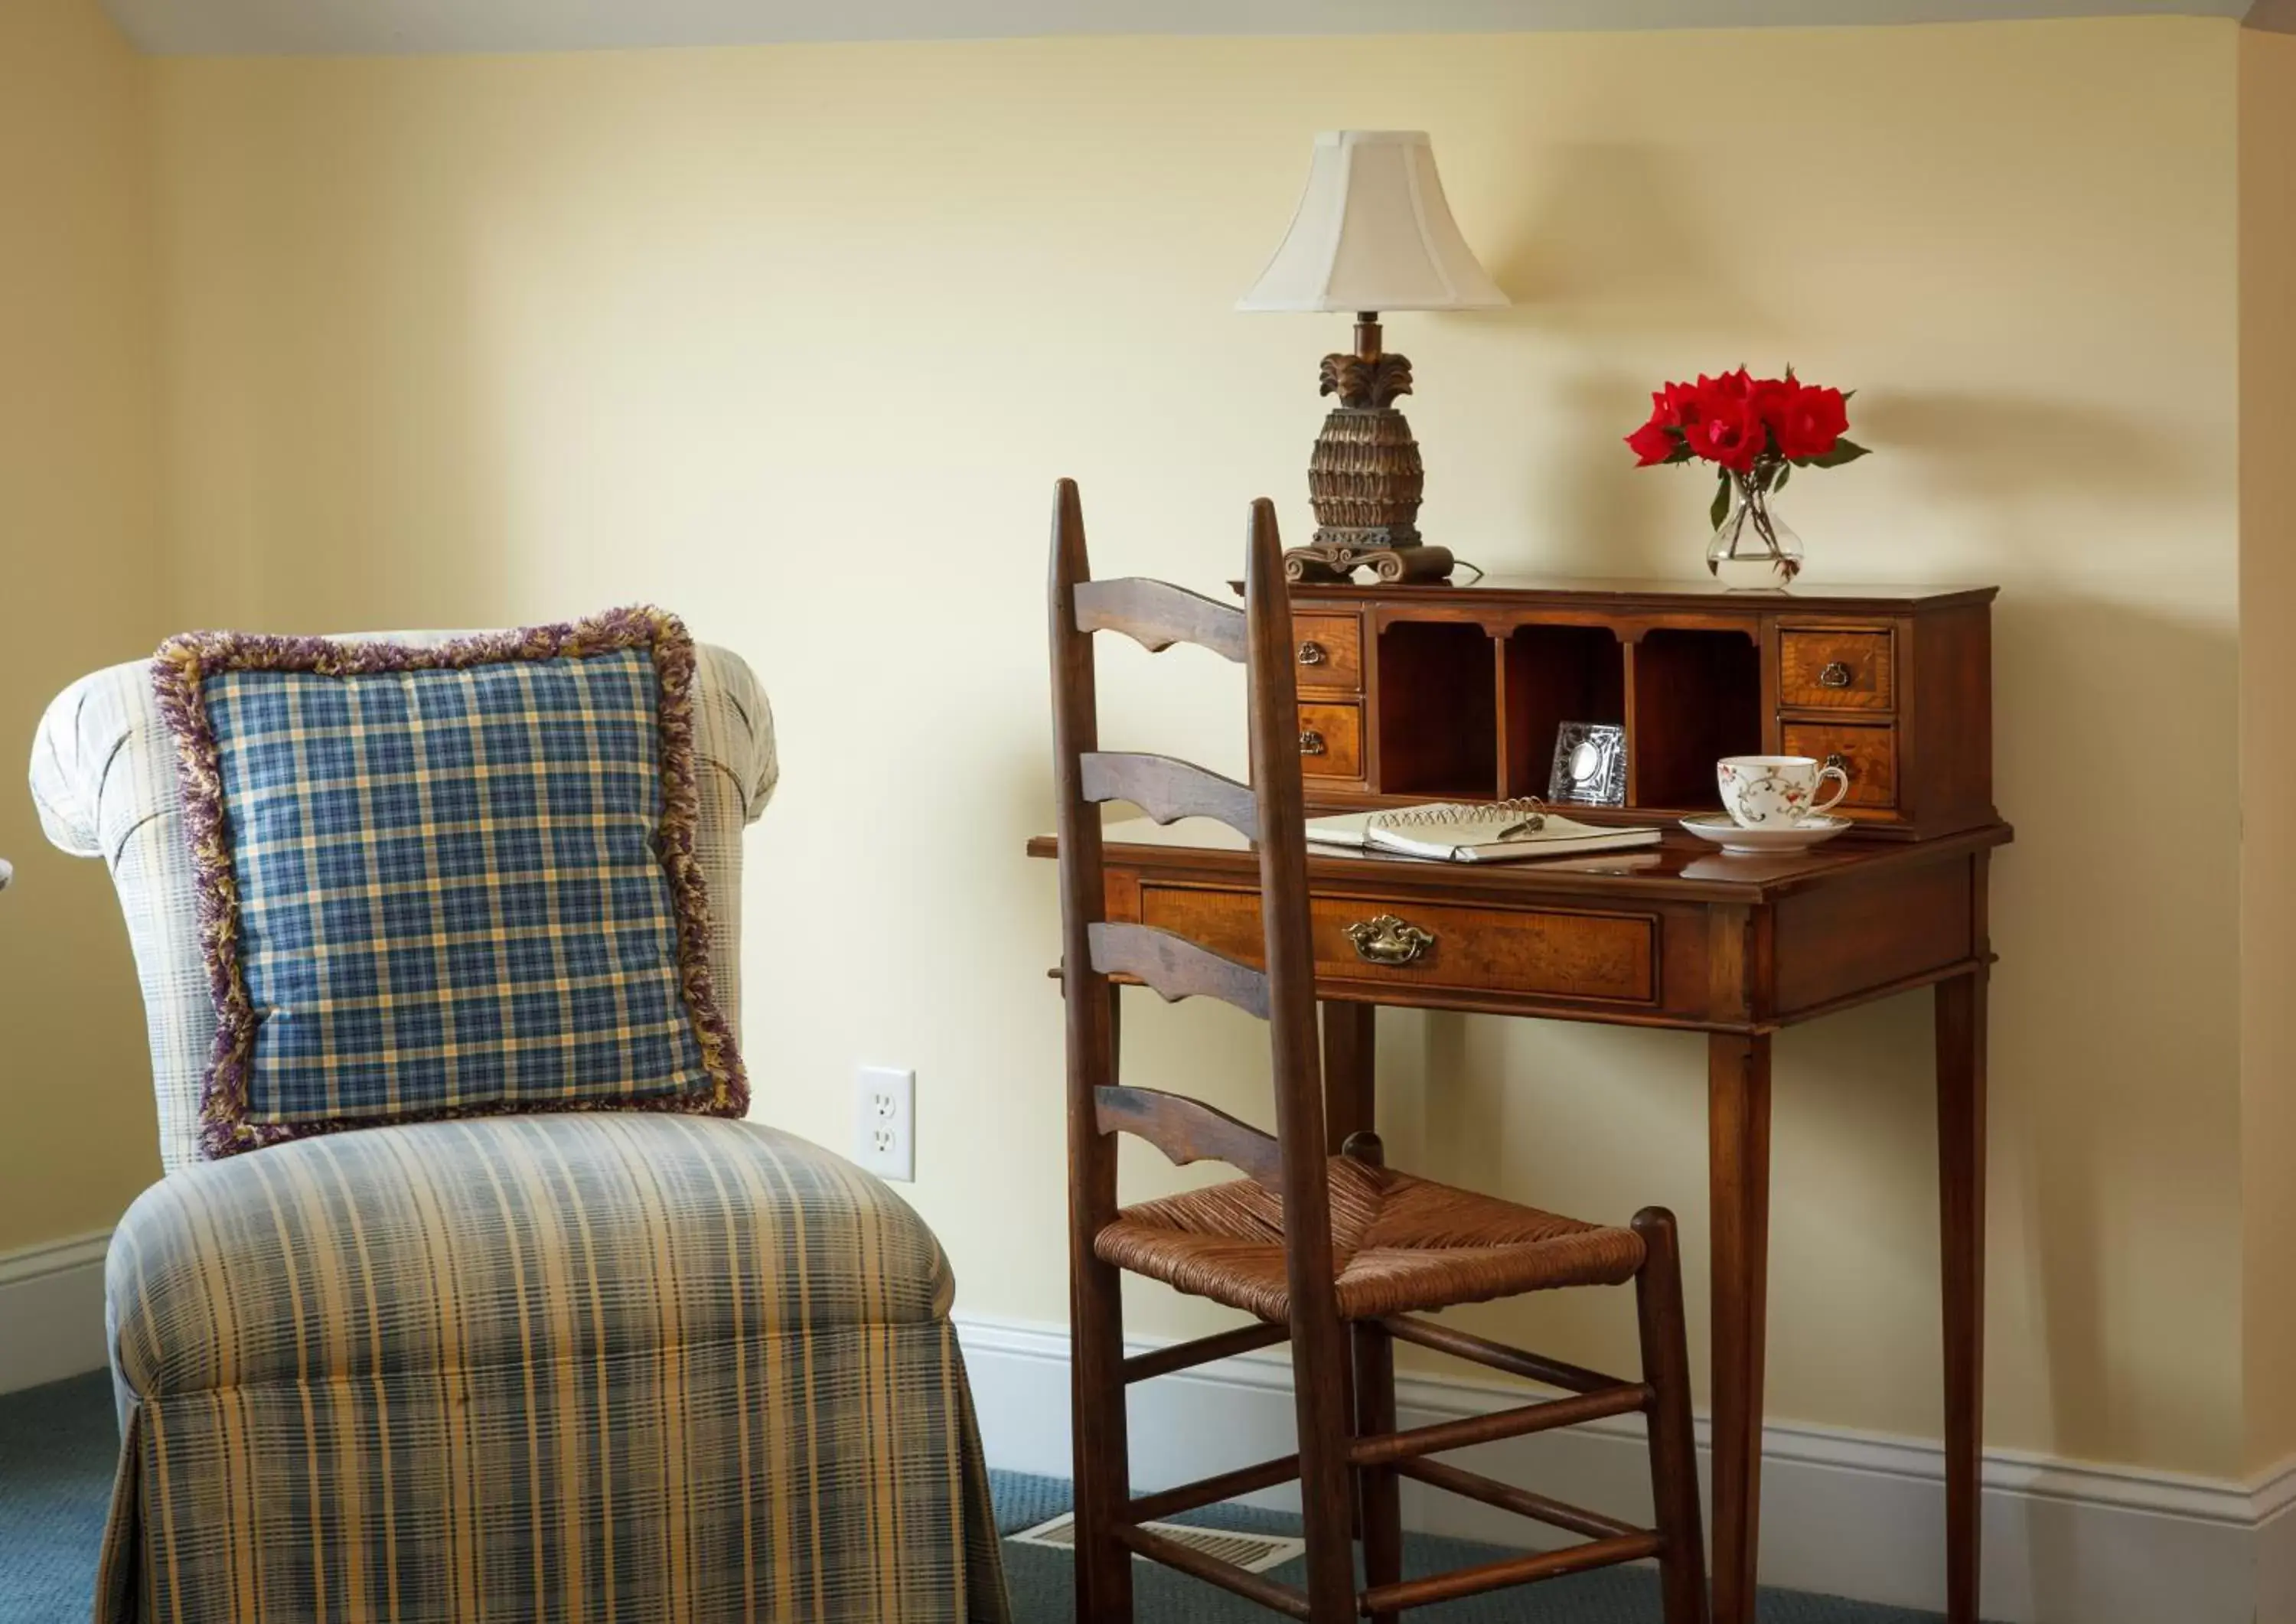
[{"x": 1372, "y": 233}]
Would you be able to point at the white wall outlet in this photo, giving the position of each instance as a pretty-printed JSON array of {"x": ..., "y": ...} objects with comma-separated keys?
[{"x": 884, "y": 1122}]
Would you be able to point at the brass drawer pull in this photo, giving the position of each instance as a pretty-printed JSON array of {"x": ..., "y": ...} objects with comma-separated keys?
[
  {"x": 1389, "y": 940},
  {"x": 1834, "y": 676},
  {"x": 1839, "y": 762},
  {"x": 1311, "y": 742},
  {"x": 1313, "y": 653}
]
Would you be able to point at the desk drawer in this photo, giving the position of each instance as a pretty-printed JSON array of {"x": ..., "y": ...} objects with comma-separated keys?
[
  {"x": 1538, "y": 952},
  {"x": 1331, "y": 741},
  {"x": 1867, "y": 753},
  {"x": 1327, "y": 652},
  {"x": 1835, "y": 670}
]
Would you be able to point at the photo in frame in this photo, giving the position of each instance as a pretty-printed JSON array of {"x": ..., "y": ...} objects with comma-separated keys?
[{"x": 1590, "y": 765}]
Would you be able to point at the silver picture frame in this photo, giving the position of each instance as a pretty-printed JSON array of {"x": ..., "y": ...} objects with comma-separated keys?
[{"x": 1590, "y": 765}]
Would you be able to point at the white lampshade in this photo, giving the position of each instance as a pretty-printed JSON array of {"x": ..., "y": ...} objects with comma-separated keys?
[{"x": 1373, "y": 232}]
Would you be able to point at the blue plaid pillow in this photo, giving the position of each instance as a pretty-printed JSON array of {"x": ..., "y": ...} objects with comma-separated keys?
[{"x": 447, "y": 881}]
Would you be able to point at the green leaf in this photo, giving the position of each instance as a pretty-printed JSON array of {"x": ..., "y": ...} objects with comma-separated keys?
[
  {"x": 1720, "y": 510},
  {"x": 1844, "y": 451},
  {"x": 1785, "y": 472},
  {"x": 1680, "y": 453}
]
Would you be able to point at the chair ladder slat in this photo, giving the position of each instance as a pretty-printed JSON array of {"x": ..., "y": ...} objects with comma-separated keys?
[
  {"x": 1157, "y": 615},
  {"x": 1176, "y": 968},
  {"x": 1187, "y": 1131},
  {"x": 1167, "y": 788}
]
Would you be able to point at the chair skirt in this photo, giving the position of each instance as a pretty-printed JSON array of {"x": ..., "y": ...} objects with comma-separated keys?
[{"x": 590, "y": 1366}]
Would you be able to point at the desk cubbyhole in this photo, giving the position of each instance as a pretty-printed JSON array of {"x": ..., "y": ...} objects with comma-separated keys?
[
  {"x": 1437, "y": 710},
  {"x": 1697, "y": 698},
  {"x": 1554, "y": 675}
]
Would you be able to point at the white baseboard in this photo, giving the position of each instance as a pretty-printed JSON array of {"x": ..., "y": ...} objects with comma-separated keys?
[
  {"x": 1843, "y": 1513},
  {"x": 52, "y": 1311}
]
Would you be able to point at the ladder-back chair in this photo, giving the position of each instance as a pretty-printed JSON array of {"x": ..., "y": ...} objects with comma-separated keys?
[{"x": 1334, "y": 1254}]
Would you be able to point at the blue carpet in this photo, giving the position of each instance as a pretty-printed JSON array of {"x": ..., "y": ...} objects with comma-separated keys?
[
  {"x": 58, "y": 1445},
  {"x": 1040, "y": 1579}
]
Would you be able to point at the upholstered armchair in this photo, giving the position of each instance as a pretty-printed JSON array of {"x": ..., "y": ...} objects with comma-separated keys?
[{"x": 601, "y": 1364}]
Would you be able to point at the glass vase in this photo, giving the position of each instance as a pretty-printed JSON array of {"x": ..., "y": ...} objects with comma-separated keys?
[{"x": 1754, "y": 550}]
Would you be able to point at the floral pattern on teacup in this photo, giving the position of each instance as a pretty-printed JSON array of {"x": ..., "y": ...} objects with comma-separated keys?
[{"x": 1758, "y": 794}]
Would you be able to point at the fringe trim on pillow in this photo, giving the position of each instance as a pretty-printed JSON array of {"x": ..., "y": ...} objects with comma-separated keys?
[{"x": 179, "y": 673}]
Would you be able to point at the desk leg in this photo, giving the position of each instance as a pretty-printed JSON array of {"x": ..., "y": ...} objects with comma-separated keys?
[
  {"x": 1960, "y": 1205},
  {"x": 1350, "y": 1088},
  {"x": 1351, "y": 1095},
  {"x": 1738, "y": 1180}
]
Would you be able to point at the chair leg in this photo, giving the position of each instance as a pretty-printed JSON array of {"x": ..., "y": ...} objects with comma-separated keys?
[
  {"x": 1673, "y": 1448},
  {"x": 1104, "y": 1477},
  {"x": 1103, "y": 1448},
  {"x": 1379, "y": 1488},
  {"x": 1379, "y": 1499},
  {"x": 1327, "y": 1500}
]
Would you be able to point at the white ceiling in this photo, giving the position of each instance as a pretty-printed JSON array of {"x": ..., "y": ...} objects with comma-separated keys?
[{"x": 186, "y": 28}]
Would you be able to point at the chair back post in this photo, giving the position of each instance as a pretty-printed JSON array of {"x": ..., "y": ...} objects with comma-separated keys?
[
  {"x": 1095, "y": 1300},
  {"x": 1319, "y": 1370},
  {"x": 1084, "y": 895}
]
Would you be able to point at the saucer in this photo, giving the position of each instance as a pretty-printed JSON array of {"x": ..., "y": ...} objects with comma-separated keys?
[{"x": 1800, "y": 836}]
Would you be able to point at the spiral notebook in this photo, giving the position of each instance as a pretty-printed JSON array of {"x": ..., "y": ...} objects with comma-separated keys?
[{"x": 1474, "y": 831}]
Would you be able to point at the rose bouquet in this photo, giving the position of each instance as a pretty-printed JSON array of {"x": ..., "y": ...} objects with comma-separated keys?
[{"x": 1755, "y": 431}]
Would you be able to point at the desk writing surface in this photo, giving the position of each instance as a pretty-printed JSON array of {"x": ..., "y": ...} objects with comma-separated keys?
[{"x": 1682, "y": 866}]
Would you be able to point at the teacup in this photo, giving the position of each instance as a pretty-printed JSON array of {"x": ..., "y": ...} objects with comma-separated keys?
[{"x": 1771, "y": 791}]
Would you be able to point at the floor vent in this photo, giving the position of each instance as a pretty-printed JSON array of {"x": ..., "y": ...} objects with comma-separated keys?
[{"x": 1253, "y": 1552}]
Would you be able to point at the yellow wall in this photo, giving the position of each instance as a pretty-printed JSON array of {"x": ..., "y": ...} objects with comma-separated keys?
[
  {"x": 796, "y": 339},
  {"x": 2267, "y": 688},
  {"x": 80, "y": 585}
]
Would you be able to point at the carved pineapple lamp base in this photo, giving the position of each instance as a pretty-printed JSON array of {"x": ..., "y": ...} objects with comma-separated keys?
[{"x": 1365, "y": 478}]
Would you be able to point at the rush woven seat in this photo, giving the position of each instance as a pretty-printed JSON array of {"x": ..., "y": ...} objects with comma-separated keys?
[{"x": 1400, "y": 1245}]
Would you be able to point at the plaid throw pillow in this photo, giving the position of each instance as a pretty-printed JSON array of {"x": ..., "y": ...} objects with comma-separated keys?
[{"x": 445, "y": 881}]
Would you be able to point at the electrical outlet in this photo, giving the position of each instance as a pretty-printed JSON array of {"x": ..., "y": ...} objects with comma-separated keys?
[{"x": 884, "y": 1122}]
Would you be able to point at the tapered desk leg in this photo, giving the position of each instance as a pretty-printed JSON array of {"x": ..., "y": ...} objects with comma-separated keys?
[
  {"x": 1350, "y": 1088},
  {"x": 1350, "y": 1100},
  {"x": 1961, "y": 1206},
  {"x": 1738, "y": 1177}
]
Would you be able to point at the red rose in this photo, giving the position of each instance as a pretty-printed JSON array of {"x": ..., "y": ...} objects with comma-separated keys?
[
  {"x": 1729, "y": 430},
  {"x": 1809, "y": 421},
  {"x": 1730, "y": 385},
  {"x": 1651, "y": 444},
  {"x": 1675, "y": 404}
]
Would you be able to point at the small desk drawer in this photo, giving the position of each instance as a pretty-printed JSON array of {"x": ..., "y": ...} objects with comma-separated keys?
[
  {"x": 1540, "y": 952},
  {"x": 1327, "y": 652},
  {"x": 1835, "y": 670},
  {"x": 1867, "y": 753},
  {"x": 1331, "y": 741}
]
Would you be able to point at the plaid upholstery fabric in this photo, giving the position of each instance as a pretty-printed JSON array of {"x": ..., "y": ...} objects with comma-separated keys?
[
  {"x": 448, "y": 891},
  {"x": 477, "y": 1314},
  {"x": 643, "y": 1368},
  {"x": 103, "y": 775}
]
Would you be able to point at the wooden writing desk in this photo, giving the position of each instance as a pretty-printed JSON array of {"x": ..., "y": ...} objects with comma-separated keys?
[{"x": 1420, "y": 692}]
